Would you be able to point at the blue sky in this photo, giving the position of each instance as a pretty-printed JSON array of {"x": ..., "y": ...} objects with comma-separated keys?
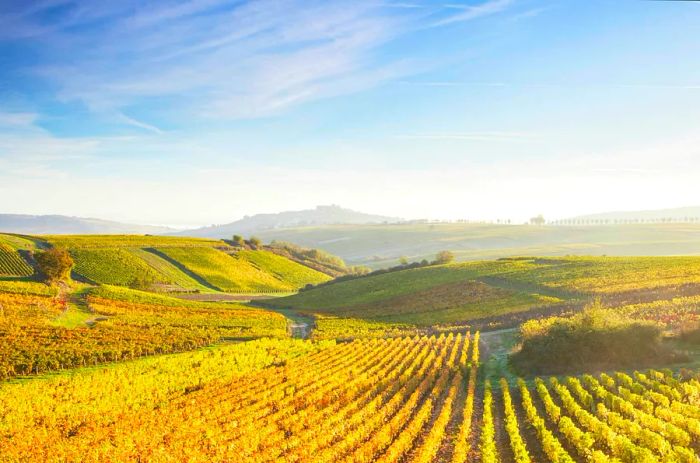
[{"x": 198, "y": 112}]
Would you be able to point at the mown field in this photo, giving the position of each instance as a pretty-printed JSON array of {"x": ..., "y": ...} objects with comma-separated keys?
[{"x": 419, "y": 399}]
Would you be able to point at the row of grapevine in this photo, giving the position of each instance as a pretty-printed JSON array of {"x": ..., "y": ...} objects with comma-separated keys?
[
  {"x": 399, "y": 400},
  {"x": 12, "y": 264}
]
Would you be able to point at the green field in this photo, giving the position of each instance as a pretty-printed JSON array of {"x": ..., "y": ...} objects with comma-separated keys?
[{"x": 382, "y": 245}]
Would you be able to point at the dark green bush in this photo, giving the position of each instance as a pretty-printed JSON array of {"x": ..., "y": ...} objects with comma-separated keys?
[{"x": 595, "y": 339}]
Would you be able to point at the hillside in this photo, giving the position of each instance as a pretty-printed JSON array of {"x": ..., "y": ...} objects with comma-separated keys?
[
  {"x": 381, "y": 245},
  {"x": 321, "y": 215},
  {"x": 61, "y": 224},
  {"x": 502, "y": 291},
  {"x": 179, "y": 264}
]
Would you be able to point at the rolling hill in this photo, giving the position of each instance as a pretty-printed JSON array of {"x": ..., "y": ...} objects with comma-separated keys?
[
  {"x": 182, "y": 264},
  {"x": 464, "y": 292},
  {"x": 381, "y": 245}
]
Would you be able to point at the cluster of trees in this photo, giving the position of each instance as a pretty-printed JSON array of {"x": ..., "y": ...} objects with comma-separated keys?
[{"x": 252, "y": 242}]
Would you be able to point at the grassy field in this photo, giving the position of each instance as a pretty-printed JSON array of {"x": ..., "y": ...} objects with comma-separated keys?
[{"x": 382, "y": 245}]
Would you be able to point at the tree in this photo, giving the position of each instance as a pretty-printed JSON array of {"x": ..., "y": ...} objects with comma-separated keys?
[
  {"x": 539, "y": 220},
  {"x": 54, "y": 264},
  {"x": 255, "y": 241},
  {"x": 403, "y": 260},
  {"x": 142, "y": 282},
  {"x": 238, "y": 240},
  {"x": 444, "y": 257}
]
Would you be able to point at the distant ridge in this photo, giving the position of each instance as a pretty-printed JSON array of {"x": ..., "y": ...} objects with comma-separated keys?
[
  {"x": 321, "y": 215},
  {"x": 65, "y": 225}
]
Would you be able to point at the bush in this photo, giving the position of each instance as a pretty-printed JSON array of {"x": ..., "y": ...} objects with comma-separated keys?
[
  {"x": 595, "y": 339},
  {"x": 54, "y": 264},
  {"x": 255, "y": 242},
  {"x": 238, "y": 240},
  {"x": 444, "y": 257}
]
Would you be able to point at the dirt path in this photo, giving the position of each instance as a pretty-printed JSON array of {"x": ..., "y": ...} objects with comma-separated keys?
[{"x": 299, "y": 325}]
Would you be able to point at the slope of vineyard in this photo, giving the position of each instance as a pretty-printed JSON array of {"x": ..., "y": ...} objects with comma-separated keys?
[
  {"x": 169, "y": 271},
  {"x": 226, "y": 272},
  {"x": 115, "y": 266},
  {"x": 418, "y": 399},
  {"x": 12, "y": 264},
  {"x": 287, "y": 270},
  {"x": 179, "y": 264}
]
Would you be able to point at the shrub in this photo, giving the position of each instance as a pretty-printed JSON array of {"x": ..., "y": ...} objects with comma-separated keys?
[
  {"x": 594, "y": 339},
  {"x": 444, "y": 257}
]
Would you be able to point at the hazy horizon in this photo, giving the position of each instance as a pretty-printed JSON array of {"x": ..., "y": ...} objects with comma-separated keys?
[{"x": 201, "y": 112}]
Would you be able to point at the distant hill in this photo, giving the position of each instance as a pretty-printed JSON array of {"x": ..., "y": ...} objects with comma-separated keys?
[
  {"x": 382, "y": 245},
  {"x": 62, "y": 225},
  {"x": 679, "y": 214},
  {"x": 321, "y": 215}
]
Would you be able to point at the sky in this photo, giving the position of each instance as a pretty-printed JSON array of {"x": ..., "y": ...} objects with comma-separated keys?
[{"x": 199, "y": 112}]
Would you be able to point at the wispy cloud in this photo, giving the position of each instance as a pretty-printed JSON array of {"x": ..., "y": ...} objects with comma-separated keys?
[
  {"x": 210, "y": 57},
  {"x": 471, "y": 12}
]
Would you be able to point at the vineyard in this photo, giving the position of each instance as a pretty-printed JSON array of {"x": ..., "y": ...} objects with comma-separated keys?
[
  {"x": 404, "y": 399},
  {"x": 12, "y": 264},
  {"x": 112, "y": 266},
  {"x": 174, "y": 264},
  {"x": 33, "y": 341}
]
